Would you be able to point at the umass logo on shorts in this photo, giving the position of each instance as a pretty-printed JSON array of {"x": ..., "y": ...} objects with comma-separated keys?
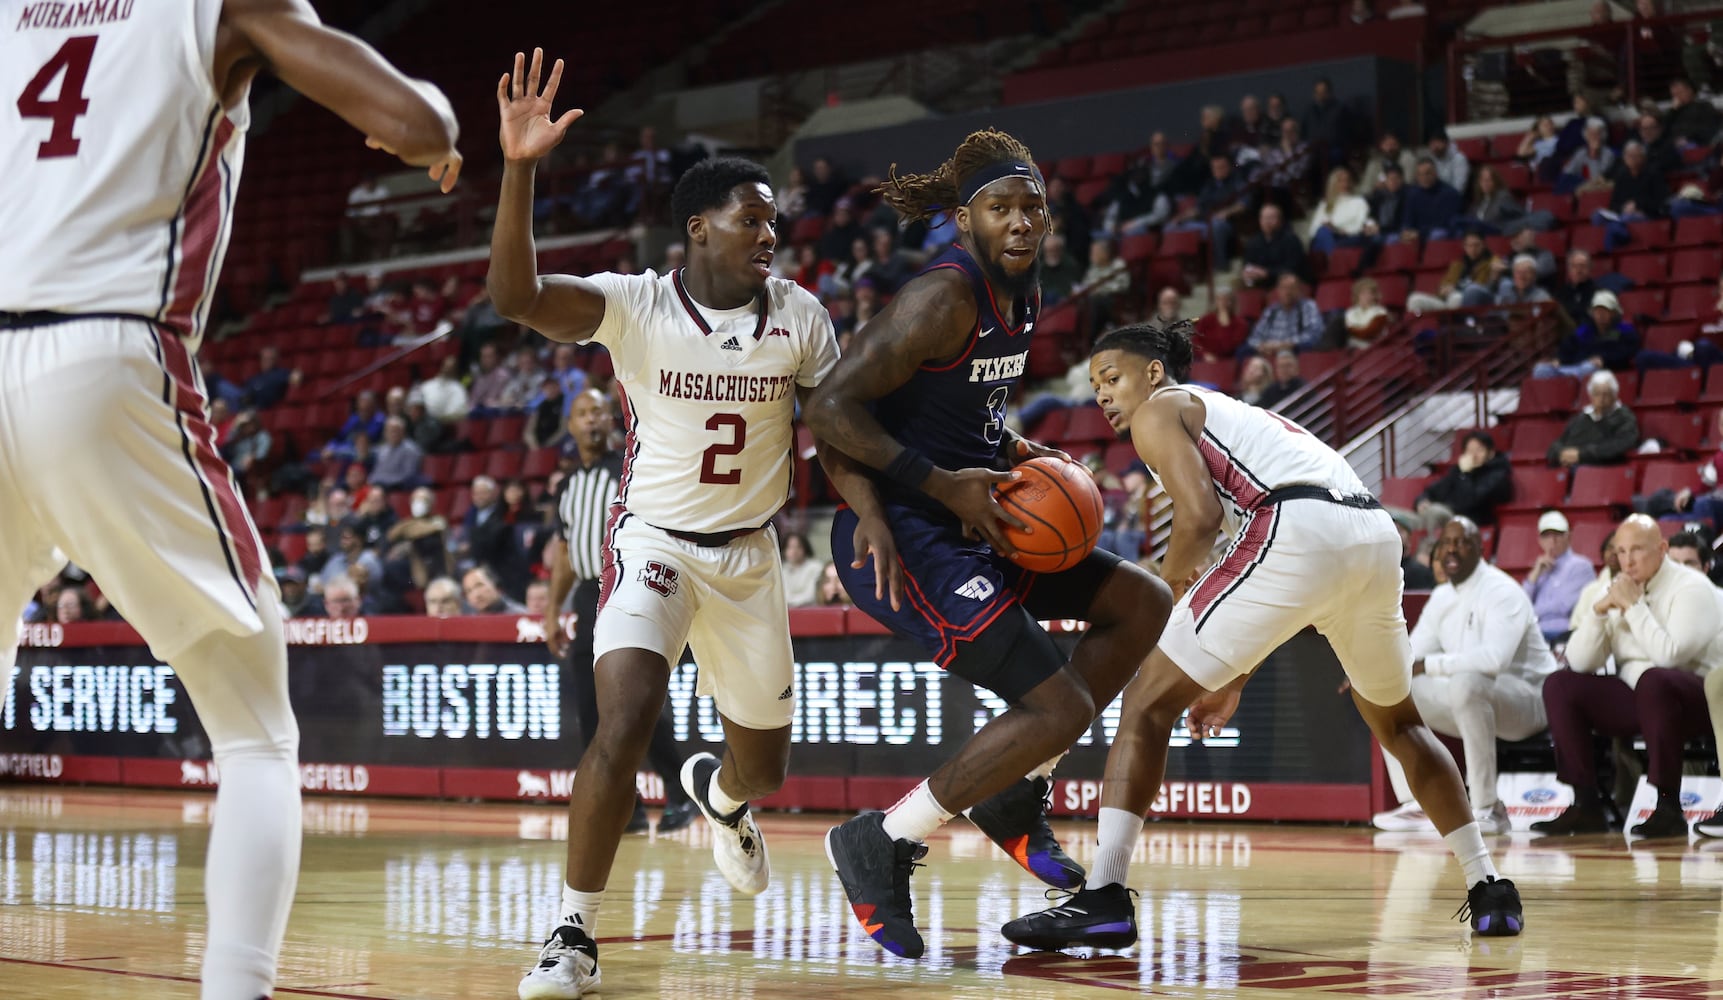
[{"x": 658, "y": 577}]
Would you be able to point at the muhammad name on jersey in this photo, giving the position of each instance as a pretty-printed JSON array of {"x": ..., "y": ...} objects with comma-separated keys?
[
  {"x": 708, "y": 387},
  {"x": 998, "y": 369},
  {"x": 84, "y": 14}
]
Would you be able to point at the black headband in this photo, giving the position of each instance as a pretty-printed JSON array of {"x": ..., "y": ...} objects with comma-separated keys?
[{"x": 998, "y": 172}]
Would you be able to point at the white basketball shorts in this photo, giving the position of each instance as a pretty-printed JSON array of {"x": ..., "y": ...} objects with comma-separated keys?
[
  {"x": 107, "y": 454},
  {"x": 1295, "y": 564},
  {"x": 660, "y": 593}
]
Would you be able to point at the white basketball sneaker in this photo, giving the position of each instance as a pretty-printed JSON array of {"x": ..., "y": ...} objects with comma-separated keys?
[
  {"x": 736, "y": 842},
  {"x": 1409, "y": 818},
  {"x": 1493, "y": 820},
  {"x": 567, "y": 967}
]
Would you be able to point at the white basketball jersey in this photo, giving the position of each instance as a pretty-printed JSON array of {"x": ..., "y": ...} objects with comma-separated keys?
[
  {"x": 710, "y": 397},
  {"x": 1250, "y": 452},
  {"x": 121, "y": 166}
]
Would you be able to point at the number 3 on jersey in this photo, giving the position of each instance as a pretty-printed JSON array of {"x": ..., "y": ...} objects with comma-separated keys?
[
  {"x": 738, "y": 427},
  {"x": 64, "y": 110}
]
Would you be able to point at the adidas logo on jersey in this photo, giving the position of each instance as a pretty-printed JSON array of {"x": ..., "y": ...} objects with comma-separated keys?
[
  {"x": 731, "y": 345},
  {"x": 977, "y": 589},
  {"x": 789, "y": 692}
]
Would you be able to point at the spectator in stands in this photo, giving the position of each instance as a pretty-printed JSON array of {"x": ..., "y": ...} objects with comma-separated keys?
[
  {"x": 1340, "y": 216},
  {"x": 1478, "y": 670},
  {"x": 345, "y": 301},
  {"x": 793, "y": 196},
  {"x": 1290, "y": 323},
  {"x": 1469, "y": 281},
  {"x": 419, "y": 542},
  {"x": 1107, "y": 279},
  {"x": 490, "y": 381},
  {"x": 1275, "y": 112},
  {"x": 296, "y": 600},
  {"x": 425, "y": 309},
  {"x": 1325, "y": 122},
  {"x": 1538, "y": 147},
  {"x": 1601, "y": 434},
  {"x": 1167, "y": 306},
  {"x": 265, "y": 389},
  {"x": 351, "y": 552},
  {"x": 485, "y": 597},
  {"x": 1431, "y": 205},
  {"x": 892, "y": 267},
  {"x": 1388, "y": 207},
  {"x": 72, "y": 606},
  {"x": 1473, "y": 487},
  {"x": 1287, "y": 380},
  {"x": 426, "y": 431},
  {"x": 1604, "y": 341},
  {"x": 1221, "y": 331},
  {"x": 1521, "y": 287},
  {"x": 1660, "y": 152},
  {"x": 1253, "y": 130},
  {"x": 565, "y": 367},
  {"x": 1060, "y": 272},
  {"x": 1138, "y": 197},
  {"x": 1691, "y": 122},
  {"x": 1658, "y": 622},
  {"x": 1360, "y": 12},
  {"x": 544, "y": 422},
  {"x": 1287, "y": 168},
  {"x": 248, "y": 444},
  {"x": 369, "y": 228},
  {"x": 1638, "y": 193},
  {"x": 1223, "y": 196},
  {"x": 832, "y": 591},
  {"x": 1590, "y": 165},
  {"x": 537, "y": 599},
  {"x": 801, "y": 573},
  {"x": 373, "y": 519},
  {"x": 1254, "y": 380},
  {"x": 1451, "y": 165},
  {"x": 1524, "y": 243},
  {"x": 1189, "y": 176},
  {"x": 398, "y": 458},
  {"x": 1414, "y": 574},
  {"x": 1064, "y": 215},
  {"x": 524, "y": 382},
  {"x": 1687, "y": 549},
  {"x": 1702, "y": 498},
  {"x": 827, "y": 187},
  {"x": 365, "y": 421},
  {"x": 648, "y": 172},
  {"x": 341, "y": 598},
  {"x": 1577, "y": 288},
  {"x": 443, "y": 598},
  {"x": 316, "y": 555},
  {"x": 1274, "y": 252},
  {"x": 1494, "y": 208},
  {"x": 1367, "y": 318},
  {"x": 1388, "y": 153},
  {"x": 1558, "y": 577},
  {"x": 842, "y": 230}
]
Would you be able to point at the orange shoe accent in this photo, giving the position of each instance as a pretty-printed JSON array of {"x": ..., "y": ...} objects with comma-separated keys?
[
  {"x": 863, "y": 911},
  {"x": 1019, "y": 849}
]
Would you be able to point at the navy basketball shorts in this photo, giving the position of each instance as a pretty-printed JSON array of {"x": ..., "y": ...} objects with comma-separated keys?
[{"x": 972, "y": 610}]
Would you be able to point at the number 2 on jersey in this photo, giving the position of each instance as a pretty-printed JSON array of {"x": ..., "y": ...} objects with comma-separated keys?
[
  {"x": 70, "y": 104},
  {"x": 709, "y": 473}
]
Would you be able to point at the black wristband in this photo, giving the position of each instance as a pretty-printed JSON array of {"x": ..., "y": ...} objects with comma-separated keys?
[{"x": 910, "y": 468}]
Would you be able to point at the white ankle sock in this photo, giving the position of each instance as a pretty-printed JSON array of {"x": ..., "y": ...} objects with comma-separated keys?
[
  {"x": 722, "y": 804},
  {"x": 916, "y": 815},
  {"x": 1117, "y": 832},
  {"x": 581, "y": 909},
  {"x": 1467, "y": 843},
  {"x": 1046, "y": 770}
]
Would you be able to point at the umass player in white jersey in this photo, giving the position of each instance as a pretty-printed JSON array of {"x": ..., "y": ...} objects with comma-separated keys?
[
  {"x": 712, "y": 359},
  {"x": 121, "y": 137},
  {"x": 921, "y": 398},
  {"x": 1310, "y": 547}
]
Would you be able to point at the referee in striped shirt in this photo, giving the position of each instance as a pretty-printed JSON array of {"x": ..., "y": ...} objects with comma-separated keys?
[{"x": 575, "y": 552}]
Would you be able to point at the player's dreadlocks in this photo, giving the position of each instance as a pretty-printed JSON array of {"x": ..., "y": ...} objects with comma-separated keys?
[
  {"x": 1169, "y": 344},
  {"x": 923, "y": 196}
]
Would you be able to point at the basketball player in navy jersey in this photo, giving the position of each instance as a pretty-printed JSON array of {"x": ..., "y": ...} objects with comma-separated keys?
[{"x": 920, "y": 398}]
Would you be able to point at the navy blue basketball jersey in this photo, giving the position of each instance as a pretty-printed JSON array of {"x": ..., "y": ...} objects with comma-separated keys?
[{"x": 953, "y": 410}]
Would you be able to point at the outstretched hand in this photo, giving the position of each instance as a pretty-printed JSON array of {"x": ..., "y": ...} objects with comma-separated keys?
[
  {"x": 873, "y": 538},
  {"x": 1211, "y": 712},
  {"x": 1027, "y": 449},
  {"x": 527, "y": 131}
]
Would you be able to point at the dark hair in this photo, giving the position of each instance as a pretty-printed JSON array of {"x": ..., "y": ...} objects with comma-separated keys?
[
  {"x": 1483, "y": 437},
  {"x": 784, "y": 543},
  {"x": 1393, "y": 168},
  {"x": 922, "y": 196},
  {"x": 1170, "y": 344},
  {"x": 708, "y": 185},
  {"x": 1691, "y": 540}
]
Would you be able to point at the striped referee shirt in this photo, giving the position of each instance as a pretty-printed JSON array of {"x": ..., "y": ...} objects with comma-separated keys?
[{"x": 581, "y": 511}]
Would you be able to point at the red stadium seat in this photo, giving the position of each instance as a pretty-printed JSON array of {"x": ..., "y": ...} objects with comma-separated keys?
[
  {"x": 1589, "y": 531},
  {"x": 1669, "y": 387},
  {"x": 1403, "y": 492},
  {"x": 469, "y": 466},
  {"x": 1537, "y": 488},
  {"x": 1136, "y": 247},
  {"x": 1586, "y": 237},
  {"x": 1312, "y": 365},
  {"x": 1395, "y": 289},
  {"x": 1219, "y": 374},
  {"x": 1693, "y": 302},
  {"x": 1401, "y": 256},
  {"x": 1555, "y": 242},
  {"x": 1668, "y": 475},
  {"x": 1649, "y": 233},
  {"x": 1088, "y": 424},
  {"x": 1548, "y": 395},
  {"x": 1667, "y": 337},
  {"x": 540, "y": 464},
  {"x": 1589, "y": 202},
  {"x": 1107, "y": 165},
  {"x": 1602, "y": 486},
  {"x": 1517, "y": 549},
  {"x": 1441, "y": 253},
  {"x": 1642, "y": 302},
  {"x": 1644, "y": 268},
  {"x": 1342, "y": 261},
  {"x": 1333, "y": 295},
  {"x": 503, "y": 465},
  {"x": 1119, "y": 456},
  {"x": 1695, "y": 265},
  {"x": 1677, "y": 430},
  {"x": 1532, "y": 438},
  {"x": 438, "y": 470},
  {"x": 1699, "y": 231}
]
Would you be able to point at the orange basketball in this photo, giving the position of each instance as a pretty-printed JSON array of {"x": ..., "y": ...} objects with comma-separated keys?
[{"x": 1059, "y": 500}]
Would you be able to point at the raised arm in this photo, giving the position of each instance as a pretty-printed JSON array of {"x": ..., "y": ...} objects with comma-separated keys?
[
  {"x": 408, "y": 118},
  {"x": 562, "y": 307},
  {"x": 930, "y": 320},
  {"x": 1165, "y": 431}
]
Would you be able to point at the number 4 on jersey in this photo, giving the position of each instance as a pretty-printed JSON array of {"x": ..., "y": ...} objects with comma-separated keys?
[{"x": 65, "y": 109}]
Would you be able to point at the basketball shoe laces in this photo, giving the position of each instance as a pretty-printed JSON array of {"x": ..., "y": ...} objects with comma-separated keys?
[{"x": 1064, "y": 897}]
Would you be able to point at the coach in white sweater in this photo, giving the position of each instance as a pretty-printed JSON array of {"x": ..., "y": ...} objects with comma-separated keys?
[
  {"x": 1479, "y": 665},
  {"x": 1658, "y": 623}
]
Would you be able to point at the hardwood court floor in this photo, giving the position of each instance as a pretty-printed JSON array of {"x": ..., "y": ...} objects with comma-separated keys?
[{"x": 100, "y": 896}]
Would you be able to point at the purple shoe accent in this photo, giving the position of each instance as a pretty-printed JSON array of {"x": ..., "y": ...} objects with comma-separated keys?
[
  {"x": 887, "y": 944},
  {"x": 1122, "y": 927},
  {"x": 1484, "y": 924},
  {"x": 1513, "y": 925},
  {"x": 1053, "y": 873}
]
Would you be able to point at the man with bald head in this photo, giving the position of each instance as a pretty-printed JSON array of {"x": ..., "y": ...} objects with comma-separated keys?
[
  {"x": 1658, "y": 621},
  {"x": 1479, "y": 665}
]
